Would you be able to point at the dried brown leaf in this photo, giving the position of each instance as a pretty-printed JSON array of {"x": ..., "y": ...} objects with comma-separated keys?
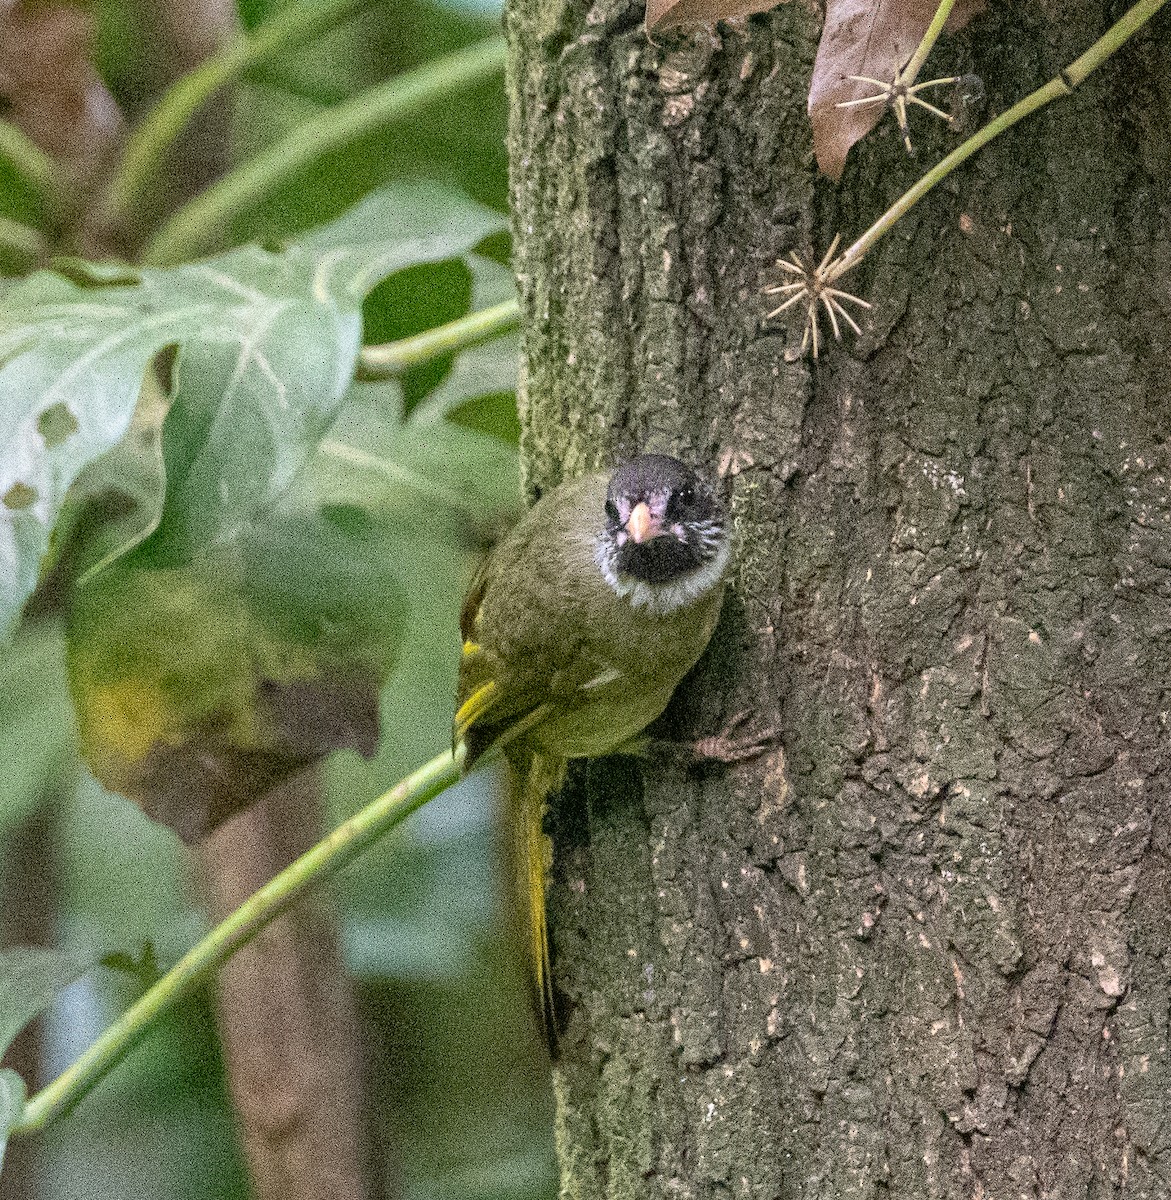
[
  {"x": 861, "y": 37},
  {"x": 196, "y": 783},
  {"x": 662, "y": 14}
]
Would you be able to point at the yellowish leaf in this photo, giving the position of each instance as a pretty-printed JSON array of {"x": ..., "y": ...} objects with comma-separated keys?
[{"x": 194, "y": 703}]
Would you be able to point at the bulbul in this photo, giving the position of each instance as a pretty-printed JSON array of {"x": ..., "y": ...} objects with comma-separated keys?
[{"x": 577, "y": 629}]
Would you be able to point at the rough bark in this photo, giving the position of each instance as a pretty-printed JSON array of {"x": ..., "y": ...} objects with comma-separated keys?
[{"x": 921, "y": 949}]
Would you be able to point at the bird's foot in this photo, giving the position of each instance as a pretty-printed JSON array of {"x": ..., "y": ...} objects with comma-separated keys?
[{"x": 729, "y": 746}]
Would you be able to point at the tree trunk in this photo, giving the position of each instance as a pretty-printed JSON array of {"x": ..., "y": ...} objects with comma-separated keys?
[
  {"x": 292, "y": 1044},
  {"x": 29, "y": 887},
  {"x": 921, "y": 948}
]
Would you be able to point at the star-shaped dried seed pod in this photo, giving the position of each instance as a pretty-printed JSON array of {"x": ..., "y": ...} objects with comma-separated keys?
[
  {"x": 898, "y": 94},
  {"x": 814, "y": 287}
]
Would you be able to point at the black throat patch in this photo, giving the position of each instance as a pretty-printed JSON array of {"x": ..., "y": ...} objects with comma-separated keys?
[{"x": 660, "y": 560}]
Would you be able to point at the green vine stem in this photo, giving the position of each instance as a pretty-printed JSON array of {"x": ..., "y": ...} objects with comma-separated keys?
[
  {"x": 20, "y": 245},
  {"x": 1061, "y": 85},
  {"x": 393, "y": 358},
  {"x": 198, "y": 226},
  {"x": 323, "y": 861},
  {"x": 915, "y": 64},
  {"x": 147, "y": 147},
  {"x": 33, "y": 165}
]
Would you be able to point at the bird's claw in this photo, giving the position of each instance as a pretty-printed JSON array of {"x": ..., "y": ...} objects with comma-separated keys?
[{"x": 726, "y": 747}]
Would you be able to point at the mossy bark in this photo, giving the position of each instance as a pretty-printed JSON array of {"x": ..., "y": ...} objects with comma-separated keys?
[{"x": 922, "y": 948}]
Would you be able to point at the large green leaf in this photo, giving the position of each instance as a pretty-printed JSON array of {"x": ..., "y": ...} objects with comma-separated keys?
[
  {"x": 268, "y": 346},
  {"x": 255, "y": 394},
  {"x": 252, "y": 395},
  {"x": 427, "y": 472},
  {"x": 397, "y": 226},
  {"x": 71, "y": 365}
]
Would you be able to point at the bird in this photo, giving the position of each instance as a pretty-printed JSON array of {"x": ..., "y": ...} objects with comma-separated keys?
[{"x": 576, "y": 630}]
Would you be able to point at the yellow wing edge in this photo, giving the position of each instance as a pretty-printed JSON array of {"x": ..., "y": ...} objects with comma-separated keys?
[{"x": 473, "y": 708}]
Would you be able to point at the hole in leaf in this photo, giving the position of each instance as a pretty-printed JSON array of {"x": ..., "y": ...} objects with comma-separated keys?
[
  {"x": 19, "y": 496},
  {"x": 55, "y": 424},
  {"x": 350, "y": 519},
  {"x": 493, "y": 413},
  {"x": 410, "y": 301}
]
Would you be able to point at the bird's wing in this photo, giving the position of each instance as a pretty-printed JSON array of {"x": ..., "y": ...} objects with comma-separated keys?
[
  {"x": 497, "y": 702},
  {"x": 470, "y": 611},
  {"x": 526, "y": 648},
  {"x": 492, "y": 705}
]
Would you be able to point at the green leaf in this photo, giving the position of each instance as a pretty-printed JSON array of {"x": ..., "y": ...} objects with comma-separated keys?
[
  {"x": 12, "y": 1095},
  {"x": 30, "y": 976},
  {"x": 199, "y": 687},
  {"x": 268, "y": 347},
  {"x": 473, "y": 392},
  {"x": 460, "y": 140},
  {"x": 476, "y": 374},
  {"x": 71, "y": 365},
  {"x": 395, "y": 227},
  {"x": 38, "y": 742},
  {"x": 114, "y": 503},
  {"x": 493, "y": 414},
  {"x": 253, "y": 394},
  {"x": 434, "y": 470},
  {"x": 326, "y": 576},
  {"x": 253, "y": 401},
  {"x": 492, "y": 282},
  {"x": 108, "y": 850},
  {"x": 106, "y": 273}
]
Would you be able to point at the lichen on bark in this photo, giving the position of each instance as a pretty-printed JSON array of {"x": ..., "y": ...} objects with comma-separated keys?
[{"x": 920, "y": 949}]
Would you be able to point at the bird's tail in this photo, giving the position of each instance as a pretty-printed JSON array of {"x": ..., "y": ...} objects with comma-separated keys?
[{"x": 534, "y": 777}]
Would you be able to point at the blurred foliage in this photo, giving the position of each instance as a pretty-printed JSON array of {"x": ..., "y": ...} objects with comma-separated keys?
[
  {"x": 37, "y": 749},
  {"x": 346, "y": 537},
  {"x": 460, "y": 141},
  {"x": 267, "y": 344}
]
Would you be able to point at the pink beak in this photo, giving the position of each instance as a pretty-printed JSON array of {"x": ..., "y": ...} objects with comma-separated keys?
[{"x": 641, "y": 525}]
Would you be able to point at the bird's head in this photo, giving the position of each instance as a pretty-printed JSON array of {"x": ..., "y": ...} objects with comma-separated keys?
[{"x": 664, "y": 542}]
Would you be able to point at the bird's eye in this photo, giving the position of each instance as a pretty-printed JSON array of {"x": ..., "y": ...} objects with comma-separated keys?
[{"x": 687, "y": 496}]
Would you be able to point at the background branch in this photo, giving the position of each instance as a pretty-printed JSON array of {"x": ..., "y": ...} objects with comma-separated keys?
[
  {"x": 322, "y": 862},
  {"x": 149, "y": 144}
]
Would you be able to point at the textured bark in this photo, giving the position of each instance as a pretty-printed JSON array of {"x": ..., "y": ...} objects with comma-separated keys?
[
  {"x": 921, "y": 949},
  {"x": 286, "y": 1014}
]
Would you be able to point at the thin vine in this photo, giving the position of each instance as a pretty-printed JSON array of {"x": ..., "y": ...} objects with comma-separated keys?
[{"x": 814, "y": 286}]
